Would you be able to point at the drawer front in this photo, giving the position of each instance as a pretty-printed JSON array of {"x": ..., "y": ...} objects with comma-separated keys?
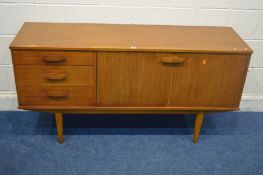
[
  {"x": 57, "y": 96},
  {"x": 33, "y": 75},
  {"x": 52, "y": 58}
]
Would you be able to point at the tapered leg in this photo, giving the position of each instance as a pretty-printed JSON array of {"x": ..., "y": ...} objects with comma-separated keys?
[
  {"x": 198, "y": 123},
  {"x": 59, "y": 122}
]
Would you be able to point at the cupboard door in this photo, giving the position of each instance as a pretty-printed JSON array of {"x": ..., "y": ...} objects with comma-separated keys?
[
  {"x": 208, "y": 80},
  {"x": 132, "y": 79}
]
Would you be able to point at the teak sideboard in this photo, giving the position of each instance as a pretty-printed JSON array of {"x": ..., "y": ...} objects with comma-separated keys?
[{"x": 117, "y": 68}]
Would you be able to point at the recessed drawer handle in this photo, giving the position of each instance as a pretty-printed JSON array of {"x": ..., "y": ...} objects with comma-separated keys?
[
  {"x": 55, "y": 76},
  {"x": 53, "y": 59},
  {"x": 173, "y": 60},
  {"x": 56, "y": 94}
]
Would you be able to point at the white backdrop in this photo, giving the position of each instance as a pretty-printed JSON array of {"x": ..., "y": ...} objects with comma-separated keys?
[{"x": 245, "y": 16}]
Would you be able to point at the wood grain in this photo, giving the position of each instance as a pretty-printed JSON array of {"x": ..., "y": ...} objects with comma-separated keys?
[
  {"x": 59, "y": 124},
  {"x": 132, "y": 79},
  {"x": 212, "y": 80},
  {"x": 55, "y": 76},
  {"x": 124, "y": 109},
  {"x": 116, "y": 68},
  {"x": 141, "y": 79},
  {"x": 56, "y": 94},
  {"x": 36, "y": 91},
  {"x": 22, "y": 57},
  {"x": 198, "y": 123},
  {"x": 120, "y": 37},
  {"x": 60, "y": 97},
  {"x": 33, "y": 75},
  {"x": 172, "y": 60}
]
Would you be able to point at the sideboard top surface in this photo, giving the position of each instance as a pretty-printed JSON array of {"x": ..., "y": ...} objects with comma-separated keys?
[{"x": 124, "y": 37}]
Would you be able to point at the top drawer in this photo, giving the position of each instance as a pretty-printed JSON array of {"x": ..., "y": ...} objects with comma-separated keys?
[{"x": 52, "y": 57}]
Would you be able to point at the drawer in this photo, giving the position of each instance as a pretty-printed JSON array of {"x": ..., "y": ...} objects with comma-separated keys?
[
  {"x": 33, "y": 75},
  {"x": 52, "y": 58},
  {"x": 52, "y": 96}
]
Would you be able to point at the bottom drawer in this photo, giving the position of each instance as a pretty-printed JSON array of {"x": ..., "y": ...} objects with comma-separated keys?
[{"x": 57, "y": 96}]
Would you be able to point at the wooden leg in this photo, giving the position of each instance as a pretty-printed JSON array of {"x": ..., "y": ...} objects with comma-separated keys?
[
  {"x": 198, "y": 123},
  {"x": 59, "y": 122}
]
